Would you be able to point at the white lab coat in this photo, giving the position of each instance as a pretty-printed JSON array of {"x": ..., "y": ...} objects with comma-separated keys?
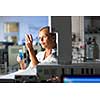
[{"x": 30, "y": 70}]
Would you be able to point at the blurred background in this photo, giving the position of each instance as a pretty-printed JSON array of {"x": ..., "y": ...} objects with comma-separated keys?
[
  {"x": 12, "y": 38},
  {"x": 83, "y": 38}
]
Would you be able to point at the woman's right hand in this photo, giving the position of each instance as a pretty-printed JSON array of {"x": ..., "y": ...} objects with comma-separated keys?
[
  {"x": 28, "y": 42},
  {"x": 21, "y": 62}
]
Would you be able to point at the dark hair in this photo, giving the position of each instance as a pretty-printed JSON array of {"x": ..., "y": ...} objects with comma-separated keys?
[{"x": 53, "y": 35}]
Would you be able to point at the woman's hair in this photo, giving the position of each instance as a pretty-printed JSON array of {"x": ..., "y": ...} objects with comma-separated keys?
[
  {"x": 46, "y": 27},
  {"x": 53, "y": 35}
]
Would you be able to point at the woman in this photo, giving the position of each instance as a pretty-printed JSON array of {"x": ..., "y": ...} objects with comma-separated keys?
[{"x": 48, "y": 42}]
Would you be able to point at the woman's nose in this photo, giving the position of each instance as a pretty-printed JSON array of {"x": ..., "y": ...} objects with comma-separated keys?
[{"x": 41, "y": 39}]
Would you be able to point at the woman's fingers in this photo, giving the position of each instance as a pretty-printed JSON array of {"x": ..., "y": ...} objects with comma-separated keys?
[
  {"x": 28, "y": 38},
  {"x": 18, "y": 59}
]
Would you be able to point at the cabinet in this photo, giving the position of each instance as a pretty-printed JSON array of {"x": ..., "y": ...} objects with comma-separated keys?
[{"x": 11, "y": 31}]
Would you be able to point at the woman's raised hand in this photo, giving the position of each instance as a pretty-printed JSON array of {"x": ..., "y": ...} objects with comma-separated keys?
[{"x": 29, "y": 40}]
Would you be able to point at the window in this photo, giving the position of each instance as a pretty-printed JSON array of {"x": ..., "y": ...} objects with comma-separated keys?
[{"x": 11, "y": 27}]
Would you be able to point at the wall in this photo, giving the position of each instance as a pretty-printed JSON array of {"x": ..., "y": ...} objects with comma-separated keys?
[
  {"x": 75, "y": 24},
  {"x": 62, "y": 25},
  {"x": 78, "y": 26},
  {"x": 27, "y": 24}
]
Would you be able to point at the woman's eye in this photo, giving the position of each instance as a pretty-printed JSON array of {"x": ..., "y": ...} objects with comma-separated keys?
[{"x": 44, "y": 36}]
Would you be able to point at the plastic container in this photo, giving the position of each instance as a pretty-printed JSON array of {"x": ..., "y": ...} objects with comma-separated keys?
[{"x": 21, "y": 54}]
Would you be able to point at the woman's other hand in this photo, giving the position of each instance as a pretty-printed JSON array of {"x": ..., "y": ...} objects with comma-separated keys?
[{"x": 21, "y": 62}]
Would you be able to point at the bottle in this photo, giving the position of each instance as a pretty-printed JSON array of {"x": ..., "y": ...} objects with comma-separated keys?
[
  {"x": 89, "y": 50},
  {"x": 95, "y": 49},
  {"x": 21, "y": 54}
]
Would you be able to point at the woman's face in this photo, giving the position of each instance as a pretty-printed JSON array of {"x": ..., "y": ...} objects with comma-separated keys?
[{"x": 45, "y": 39}]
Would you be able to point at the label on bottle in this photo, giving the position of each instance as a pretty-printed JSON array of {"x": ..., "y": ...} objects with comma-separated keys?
[{"x": 89, "y": 52}]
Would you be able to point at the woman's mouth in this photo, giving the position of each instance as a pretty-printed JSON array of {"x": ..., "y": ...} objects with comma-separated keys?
[{"x": 43, "y": 43}]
